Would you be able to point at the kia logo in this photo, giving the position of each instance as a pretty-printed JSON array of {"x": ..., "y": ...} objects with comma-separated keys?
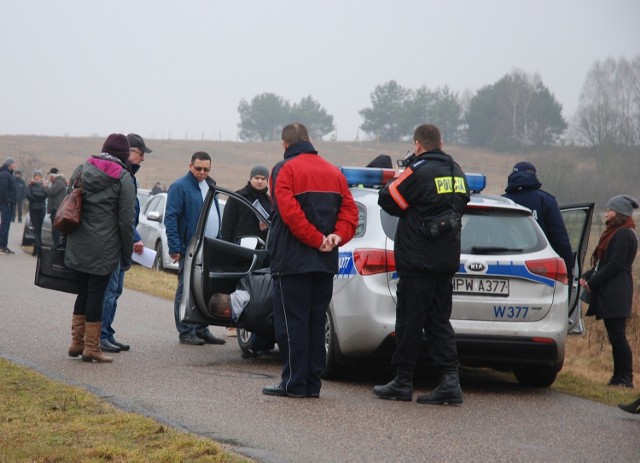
[{"x": 476, "y": 267}]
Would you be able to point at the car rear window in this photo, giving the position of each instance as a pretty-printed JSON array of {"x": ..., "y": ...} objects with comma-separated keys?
[{"x": 500, "y": 231}]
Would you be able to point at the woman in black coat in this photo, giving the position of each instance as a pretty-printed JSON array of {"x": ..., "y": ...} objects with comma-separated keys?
[{"x": 611, "y": 284}]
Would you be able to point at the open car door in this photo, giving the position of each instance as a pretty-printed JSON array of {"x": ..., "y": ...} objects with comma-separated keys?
[
  {"x": 577, "y": 218},
  {"x": 216, "y": 266}
]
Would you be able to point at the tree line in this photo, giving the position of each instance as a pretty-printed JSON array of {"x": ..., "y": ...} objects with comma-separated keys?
[{"x": 517, "y": 112}]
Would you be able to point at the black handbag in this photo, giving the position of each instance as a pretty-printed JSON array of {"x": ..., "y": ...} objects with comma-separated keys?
[{"x": 52, "y": 273}]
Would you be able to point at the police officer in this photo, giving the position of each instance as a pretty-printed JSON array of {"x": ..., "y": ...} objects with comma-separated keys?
[{"x": 429, "y": 197}]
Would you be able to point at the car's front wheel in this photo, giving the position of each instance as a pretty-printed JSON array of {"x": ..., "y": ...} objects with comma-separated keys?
[
  {"x": 535, "y": 376},
  {"x": 244, "y": 339},
  {"x": 158, "y": 264}
]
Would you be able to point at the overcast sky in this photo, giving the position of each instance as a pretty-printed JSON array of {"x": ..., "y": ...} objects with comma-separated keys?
[{"x": 165, "y": 68}]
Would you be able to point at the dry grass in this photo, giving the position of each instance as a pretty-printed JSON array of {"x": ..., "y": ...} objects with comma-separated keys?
[{"x": 45, "y": 421}]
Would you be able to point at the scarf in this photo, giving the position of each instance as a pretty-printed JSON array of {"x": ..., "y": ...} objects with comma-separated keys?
[{"x": 606, "y": 237}]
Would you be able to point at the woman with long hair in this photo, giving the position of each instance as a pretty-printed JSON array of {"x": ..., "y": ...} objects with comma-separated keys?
[{"x": 611, "y": 284}]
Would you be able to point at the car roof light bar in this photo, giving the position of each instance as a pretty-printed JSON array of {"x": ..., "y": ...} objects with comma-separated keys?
[
  {"x": 368, "y": 176},
  {"x": 377, "y": 177},
  {"x": 477, "y": 182}
]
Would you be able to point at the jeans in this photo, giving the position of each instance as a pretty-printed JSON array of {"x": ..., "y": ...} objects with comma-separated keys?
[
  {"x": 55, "y": 234},
  {"x": 111, "y": 295},
  {"x": 17, "y": 210},
  {"x": 5, "y": 221},
  {"x": 184, "y": 329}
]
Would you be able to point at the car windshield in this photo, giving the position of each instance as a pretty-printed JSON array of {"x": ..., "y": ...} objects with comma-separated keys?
[{"x": 497, "y": 231}]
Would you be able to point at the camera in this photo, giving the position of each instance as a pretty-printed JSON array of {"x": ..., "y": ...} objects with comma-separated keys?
[{"x": 408, "y": 159}]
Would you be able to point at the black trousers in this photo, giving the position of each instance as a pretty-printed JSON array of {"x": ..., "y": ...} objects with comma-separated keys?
[
  {"x": 622, "y": 355},
  {"x": 425, "y": 303},
  {"x": 37, "y": 217},
  {"x": 299, "y": 313},
  {"x": 91, "y": 296}
]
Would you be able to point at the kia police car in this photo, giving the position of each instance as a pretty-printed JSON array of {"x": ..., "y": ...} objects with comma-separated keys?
[{"x": 512, "y": 308}]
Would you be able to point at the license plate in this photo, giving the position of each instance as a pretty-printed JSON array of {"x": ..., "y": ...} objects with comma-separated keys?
[{"x": 484, "y": 286}]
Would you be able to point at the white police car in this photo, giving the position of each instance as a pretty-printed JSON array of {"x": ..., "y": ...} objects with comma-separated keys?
[{"x": 511, "y": 307}]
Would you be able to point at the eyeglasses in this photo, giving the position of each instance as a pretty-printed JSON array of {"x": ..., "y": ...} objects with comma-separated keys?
[{"x": 200, "y": 169}]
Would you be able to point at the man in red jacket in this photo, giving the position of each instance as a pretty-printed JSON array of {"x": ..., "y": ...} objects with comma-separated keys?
[{"x": 313, "y": 213}]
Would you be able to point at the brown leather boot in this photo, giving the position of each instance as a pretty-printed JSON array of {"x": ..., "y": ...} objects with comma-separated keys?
[
  {"x": 92, "y": 349},
  {"x": 77, "y": 335}
]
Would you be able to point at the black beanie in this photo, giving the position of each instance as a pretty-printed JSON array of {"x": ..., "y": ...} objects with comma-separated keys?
[{"x": 117, "y": 145}]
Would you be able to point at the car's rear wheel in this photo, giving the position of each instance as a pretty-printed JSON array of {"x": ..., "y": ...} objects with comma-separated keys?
[
  {"x": 536, "y": 376},
  {"x": 332, "y": 369},
  {"x": 158, "y": 264},
  {"x": 244, "y": 339}
]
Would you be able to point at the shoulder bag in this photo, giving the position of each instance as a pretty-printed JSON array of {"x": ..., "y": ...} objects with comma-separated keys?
[{"x": 70, "y": 209}]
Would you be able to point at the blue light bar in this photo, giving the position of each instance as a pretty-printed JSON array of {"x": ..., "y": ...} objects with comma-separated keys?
[
  {"x": 477, "y": 182},
  {"x": 370, "y": 176},
  {"x": 377, "y": 177}
]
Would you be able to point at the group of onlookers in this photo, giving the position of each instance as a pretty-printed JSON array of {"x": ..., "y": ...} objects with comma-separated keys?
[{"x": 311, "y": 213}]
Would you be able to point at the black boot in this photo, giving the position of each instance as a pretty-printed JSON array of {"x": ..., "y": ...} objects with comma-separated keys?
[
  {"x": 632, "y": 407},
  {"x": 400, "y": 388},
  {"x": 448, "y": 391}
]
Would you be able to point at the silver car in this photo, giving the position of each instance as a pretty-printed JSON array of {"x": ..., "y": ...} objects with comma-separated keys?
[{"x": 511, "y": 308}]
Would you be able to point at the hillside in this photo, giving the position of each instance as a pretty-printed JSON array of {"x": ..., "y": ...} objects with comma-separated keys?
[{"x": 231, "y": 161}]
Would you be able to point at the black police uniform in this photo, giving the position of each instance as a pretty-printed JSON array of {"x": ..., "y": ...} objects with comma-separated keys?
[{"x": 432, "y": 187}]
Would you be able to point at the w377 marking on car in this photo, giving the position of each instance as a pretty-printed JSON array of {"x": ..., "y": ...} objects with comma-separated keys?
[{"x": 510, "y": 311}]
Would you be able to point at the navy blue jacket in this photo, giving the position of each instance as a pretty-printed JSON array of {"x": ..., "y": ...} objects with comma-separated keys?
[
  {"x": 7, "y": 187},
  {"x": 184, "y": 202},
  {"x": 524, "y": 188}
]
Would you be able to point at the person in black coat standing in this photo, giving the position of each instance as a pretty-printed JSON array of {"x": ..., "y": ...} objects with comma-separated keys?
[
  {"x": 21, "y": 194},
  {"x": 611, "y": 284},
  {"x": 37, "y": 208},
  {"x": 238, "y": 221}
]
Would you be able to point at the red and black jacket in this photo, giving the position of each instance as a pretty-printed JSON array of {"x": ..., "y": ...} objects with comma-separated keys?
[{"x": 311, "y": 200}]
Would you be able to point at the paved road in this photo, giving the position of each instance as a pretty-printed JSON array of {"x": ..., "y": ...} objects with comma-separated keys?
[{"x": 211, "y": 391}]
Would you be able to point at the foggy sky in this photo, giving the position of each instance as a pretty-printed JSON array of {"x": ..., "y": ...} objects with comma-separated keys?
[{"x": 179, "y": 69}]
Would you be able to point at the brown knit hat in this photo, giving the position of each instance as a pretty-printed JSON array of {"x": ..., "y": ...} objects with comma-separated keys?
[{"x": 117, "y": 145}]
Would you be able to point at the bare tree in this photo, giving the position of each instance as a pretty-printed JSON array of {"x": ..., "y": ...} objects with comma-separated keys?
[{"x": 609, "y": 110}]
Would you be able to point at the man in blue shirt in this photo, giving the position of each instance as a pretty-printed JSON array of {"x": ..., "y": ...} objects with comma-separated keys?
[{"x": 184, "y": 202}]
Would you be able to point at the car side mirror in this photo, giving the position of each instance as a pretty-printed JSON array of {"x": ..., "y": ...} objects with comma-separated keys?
[{"x": 154, "y": 216}]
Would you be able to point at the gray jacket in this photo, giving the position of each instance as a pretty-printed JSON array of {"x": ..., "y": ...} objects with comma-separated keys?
[
  {"x": 55, "y": 193},
  {"x": 105, "y": 234}
]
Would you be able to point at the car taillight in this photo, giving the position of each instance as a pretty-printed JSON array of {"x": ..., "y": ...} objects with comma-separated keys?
[
  {"x": 554, "y": 268},
  {"x": 373, "y": 261}
]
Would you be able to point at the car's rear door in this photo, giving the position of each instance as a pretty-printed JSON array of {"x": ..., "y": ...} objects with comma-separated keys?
[{"x": 577, "y": 218}]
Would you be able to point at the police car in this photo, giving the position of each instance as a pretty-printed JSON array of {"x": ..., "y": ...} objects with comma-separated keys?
[{"x": 511, "y": 305}]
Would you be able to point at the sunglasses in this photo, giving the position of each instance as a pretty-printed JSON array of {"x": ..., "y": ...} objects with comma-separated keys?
[{"x": 200, "y": 169}]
